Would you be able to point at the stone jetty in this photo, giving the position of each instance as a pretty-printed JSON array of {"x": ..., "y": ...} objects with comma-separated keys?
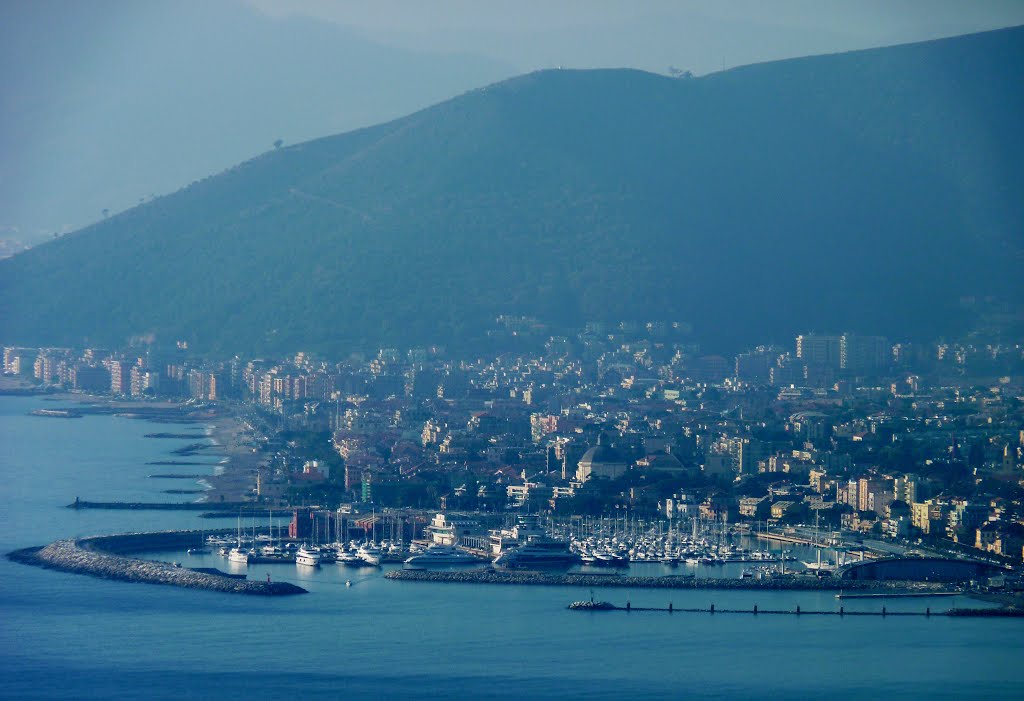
[
  {"x": 104, "y": 557},
  {"x": 227, "y": 506},
  {"x": 783, "y": 583}
]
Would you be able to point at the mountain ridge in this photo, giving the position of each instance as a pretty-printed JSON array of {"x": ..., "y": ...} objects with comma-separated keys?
[{"x": 577, "y": 195}]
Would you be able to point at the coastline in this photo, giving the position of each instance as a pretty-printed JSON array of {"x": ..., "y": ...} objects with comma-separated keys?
[{"x": 234, "y": 478}]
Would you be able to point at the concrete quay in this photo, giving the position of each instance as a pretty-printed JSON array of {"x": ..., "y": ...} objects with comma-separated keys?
[
  {"x": 103, "y": 557},
  {"x": 798, "y": 583}
]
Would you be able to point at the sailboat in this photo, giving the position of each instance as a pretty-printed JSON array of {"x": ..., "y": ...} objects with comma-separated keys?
[
  {"x": 272, "y": 551},
  {"x": 238, "y": 554},
  {"x": 200, "y": 549},
  {"x": 820, "y": 568}
]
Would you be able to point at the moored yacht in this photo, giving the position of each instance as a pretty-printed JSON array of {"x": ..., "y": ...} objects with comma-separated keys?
[
  {"x": 369, "y": 553},
  {"x": 347, "y": 557},
  {"x": 272, "y": 552},
  {"x": 538, "y": 552},
  {"x": 308, "y": 555},
  {"x": 240, "y": 555},
  {"x": 443, "y": 555}
]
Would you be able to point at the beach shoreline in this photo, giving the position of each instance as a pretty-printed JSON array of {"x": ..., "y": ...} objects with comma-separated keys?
[
  {"x": 242, "y": 459},
  {"x": 222, "y": 423}
]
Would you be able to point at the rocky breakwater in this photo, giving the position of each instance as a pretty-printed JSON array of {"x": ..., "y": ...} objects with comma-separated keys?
[
  {"x": 85, "y": 557},
  {"x": 589, "y": 580}
]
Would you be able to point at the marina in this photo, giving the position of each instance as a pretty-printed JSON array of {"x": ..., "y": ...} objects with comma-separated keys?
[{"x": 115, "y": 648}]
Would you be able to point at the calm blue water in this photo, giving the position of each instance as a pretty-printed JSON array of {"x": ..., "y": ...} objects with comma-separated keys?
[{"x": 74, "y": 637}]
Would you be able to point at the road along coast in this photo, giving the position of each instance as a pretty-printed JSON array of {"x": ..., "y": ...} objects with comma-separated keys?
[{"x": 104, "y": 557}]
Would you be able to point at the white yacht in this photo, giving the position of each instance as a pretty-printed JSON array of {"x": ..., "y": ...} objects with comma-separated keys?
[
  {"x": 308, "y": 555},
  {"x": 347, "y": 557},
  {"x": 240, "y": 555},
  {"x": 369, "y": 553},
  {"x": 443, "y": 555},
  {"x": 820, "y": 568},
  {"x": 272, "y": 552}
]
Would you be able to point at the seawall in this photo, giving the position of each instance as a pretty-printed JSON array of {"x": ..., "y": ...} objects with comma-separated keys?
[
  {"x": 104, "y": 557},
  {"x": 590, "y": 580}
]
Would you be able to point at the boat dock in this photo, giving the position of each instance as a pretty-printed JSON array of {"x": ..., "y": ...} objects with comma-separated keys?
[{"x": 775, "y": 537}]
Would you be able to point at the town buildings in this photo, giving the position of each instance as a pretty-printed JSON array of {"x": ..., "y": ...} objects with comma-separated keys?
[{"x": 903, "y": 440}]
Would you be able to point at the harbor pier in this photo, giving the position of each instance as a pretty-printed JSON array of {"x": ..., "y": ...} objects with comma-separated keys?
[{"x": 841, "y": 613}]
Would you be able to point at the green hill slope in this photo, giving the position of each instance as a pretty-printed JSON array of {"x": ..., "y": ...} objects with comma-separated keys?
[{"x": 867, "y": 191}]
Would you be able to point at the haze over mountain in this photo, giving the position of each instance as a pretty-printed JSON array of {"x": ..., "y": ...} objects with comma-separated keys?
[
  {"x": 867, "y": 191},
  {"x": 106, "y": 102}
]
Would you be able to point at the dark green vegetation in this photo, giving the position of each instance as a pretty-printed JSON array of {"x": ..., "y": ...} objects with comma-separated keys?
[{"x": 867, "y": 191}]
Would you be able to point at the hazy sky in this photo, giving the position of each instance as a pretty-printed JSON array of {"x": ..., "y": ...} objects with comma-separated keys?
[
  {"x": 700, "y": 35},
  {"x": 106, "y": 102}
]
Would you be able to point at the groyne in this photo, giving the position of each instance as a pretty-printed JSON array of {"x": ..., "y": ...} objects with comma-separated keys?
[
  {"x": 105, "y": 557},
  {"x": 783, "y": 583},
  {"x": 185, "y": 436},
  {"x": 176, "y": 462},
  {"x": 233, "y": 506},
  {"x": 190, "y": 449}
]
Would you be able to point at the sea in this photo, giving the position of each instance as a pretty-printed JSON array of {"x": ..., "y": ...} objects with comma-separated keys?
[{"x": 66, "y": 636}]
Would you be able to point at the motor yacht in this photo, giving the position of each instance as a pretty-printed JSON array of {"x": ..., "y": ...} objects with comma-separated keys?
[
  {"x": 308, "y": 555},
  {"x": 442, "y": 555}
]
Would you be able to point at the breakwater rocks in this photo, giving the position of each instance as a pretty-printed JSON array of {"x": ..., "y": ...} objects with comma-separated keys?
[
  {"x": 176, "y": 462},
  {"x": 185, "y": 436},
  {"x": 57, "y": 413},
  {"x": 100, "y": 557},
  {"x": 988, "y": 613},
  {"x": 592, "y": 606},
  {"x": 801, "y": 583}
]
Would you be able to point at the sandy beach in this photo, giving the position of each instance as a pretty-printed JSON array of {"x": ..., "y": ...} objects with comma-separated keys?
[{"x": 238, "y": 478}]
